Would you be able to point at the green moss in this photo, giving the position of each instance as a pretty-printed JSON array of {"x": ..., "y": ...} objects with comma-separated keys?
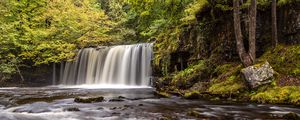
[
  {"x": 190, "y": 75},
  {"x": 222, "y": 69},
  {"x": 284, "y": 59},
  {"x": 192, "y": 94},
  {"x": 230, "y": 86},
  {"x": 227, "y": 81},
  {"x": 287, "y": 94}
]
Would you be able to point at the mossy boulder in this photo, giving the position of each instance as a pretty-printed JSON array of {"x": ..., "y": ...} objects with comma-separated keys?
[
  {"x": 89, "y": 100},
  {"x": 258, "y": 74}
]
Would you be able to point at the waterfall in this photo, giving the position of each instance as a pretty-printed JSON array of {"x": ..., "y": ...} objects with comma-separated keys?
[{"x": 115, "y": 65}]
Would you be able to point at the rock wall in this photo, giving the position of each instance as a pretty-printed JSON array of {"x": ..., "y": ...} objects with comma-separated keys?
[{"x": 212, "y": 37}]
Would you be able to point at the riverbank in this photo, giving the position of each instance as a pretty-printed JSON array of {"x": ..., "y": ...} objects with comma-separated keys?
[{"x": 225, "y": 82}]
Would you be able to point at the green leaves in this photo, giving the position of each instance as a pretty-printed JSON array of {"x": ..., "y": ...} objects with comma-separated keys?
[{"x": 43, "y": 31}]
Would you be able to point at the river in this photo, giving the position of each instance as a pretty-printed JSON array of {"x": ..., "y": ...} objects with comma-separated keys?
[{"x": 57, "y": 103}]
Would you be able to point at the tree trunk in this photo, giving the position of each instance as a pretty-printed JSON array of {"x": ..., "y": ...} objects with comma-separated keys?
[
  {"x": 274, "y": 24},
  {"x": 252, "y": 30},
  {"x": 21, "y": 76},
  {"x": 244, "y": 56}
]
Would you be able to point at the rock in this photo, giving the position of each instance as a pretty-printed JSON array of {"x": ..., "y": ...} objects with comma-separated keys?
[
  {"x": 291, "y": 116},
  {"x": 72, "y": 109},
  {"x": 115, "y": 113},
  {"x": 162, "y": 94},
  {"x": 121, "y": 97},
  {"x": 140, "y": 104},
  {"x": 259, "y": 74},
  {"x": 89, "y": 100},
  {"x": 194, "y": 113},
  {"x": 116, "y": 100}
]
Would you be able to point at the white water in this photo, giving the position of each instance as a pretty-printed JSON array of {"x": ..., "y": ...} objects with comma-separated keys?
[{"x": 119, "y": 66}]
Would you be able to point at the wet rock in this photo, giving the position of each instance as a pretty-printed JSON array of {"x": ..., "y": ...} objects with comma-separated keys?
[
  {"x": 121, "y": 97},
  {"x": 89, "y": 100},
  {"x": 100, "y": 108},
  {"x": 165, "y": 118},
  {"x": 194, "y": 113},
  {"x": 72, "y": 109},
  {"x": 115, "y": 113},
  {"x": 140, "y": 104},
  {"x": 291, "y": 116},
  {"x": 116, "y": 100},
  {"x": 258, "y": 74}
]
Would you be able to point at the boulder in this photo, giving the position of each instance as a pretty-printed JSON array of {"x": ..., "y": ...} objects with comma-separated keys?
[
  {"x": 89, "y": 100},
  {"x": 258, "y": 74}
]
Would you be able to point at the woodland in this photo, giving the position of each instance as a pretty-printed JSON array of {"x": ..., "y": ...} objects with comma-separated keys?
[{"x": 200, "y": 46}]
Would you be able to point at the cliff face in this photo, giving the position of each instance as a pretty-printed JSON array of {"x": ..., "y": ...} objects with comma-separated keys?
[
  {"x": 212, "y": 37},
  {"x": 206, "y": 63}
]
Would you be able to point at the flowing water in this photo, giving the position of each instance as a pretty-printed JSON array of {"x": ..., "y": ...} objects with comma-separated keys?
[
  {"x": 120, "y": 74},
  {"x": 115, "y": 65},
  {"x": 57, "y": 103}
]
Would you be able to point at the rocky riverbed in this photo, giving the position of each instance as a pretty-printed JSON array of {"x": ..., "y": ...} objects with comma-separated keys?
[{"x": 54, "y": 103}]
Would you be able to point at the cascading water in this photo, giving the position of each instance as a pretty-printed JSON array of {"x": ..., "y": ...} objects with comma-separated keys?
[{"x": 115, "y": 65}]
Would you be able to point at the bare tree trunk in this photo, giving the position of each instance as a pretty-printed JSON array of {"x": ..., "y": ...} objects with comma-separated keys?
[
  {"x": 274, "y": 24},
  {"x": 252, "y": 30},
  {"x": 18, "y": 70},
  {"x": 244, "y": 56}
]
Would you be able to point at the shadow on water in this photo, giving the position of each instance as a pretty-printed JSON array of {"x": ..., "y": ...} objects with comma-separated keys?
[{"x": 57, "y": 103}]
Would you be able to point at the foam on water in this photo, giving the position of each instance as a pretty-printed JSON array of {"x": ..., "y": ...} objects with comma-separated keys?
[{"x": 101, "y": 86}]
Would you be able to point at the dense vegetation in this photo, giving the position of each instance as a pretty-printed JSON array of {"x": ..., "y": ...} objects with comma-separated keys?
[{"x": 194, "y": 40}]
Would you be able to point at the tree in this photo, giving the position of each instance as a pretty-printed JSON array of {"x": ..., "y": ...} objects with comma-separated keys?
[
  {"x": 274, "y": 24},
  {"x": 246, "y": 57},
  {"x": 252, "y": 30}
]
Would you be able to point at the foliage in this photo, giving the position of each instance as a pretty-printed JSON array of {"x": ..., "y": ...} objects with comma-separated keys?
[{"x": 42, "y": 31}]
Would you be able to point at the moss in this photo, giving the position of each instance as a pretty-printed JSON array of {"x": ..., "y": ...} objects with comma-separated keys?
[
  {"x": 284, "y": 59},
  {"x": 227, "y": 88},
  {"x": 191, "y": 75},
  {"x": 192, "y": 95},
  {"x": 227, "y": 81},
  {"x": 222, "y": 69},
  {"x": 284, "y": 95}
]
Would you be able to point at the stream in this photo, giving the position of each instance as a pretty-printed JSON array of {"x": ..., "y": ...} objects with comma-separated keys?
[{"x": 57, "y": 103}]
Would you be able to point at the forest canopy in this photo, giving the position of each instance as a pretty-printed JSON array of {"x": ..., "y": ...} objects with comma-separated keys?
[{"x": 34, "y": 32}]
